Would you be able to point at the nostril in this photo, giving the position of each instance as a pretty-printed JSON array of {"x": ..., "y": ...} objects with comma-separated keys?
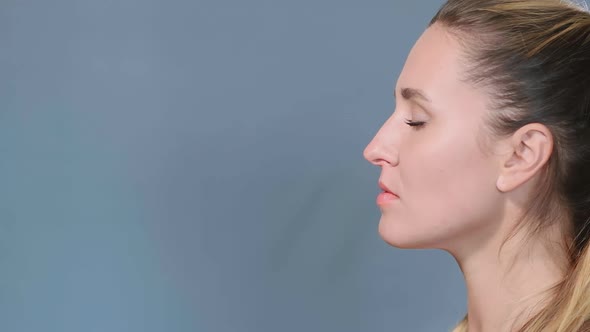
[
  {"x": 371, "y": 154},
  {"x": 380, "y": 162}
]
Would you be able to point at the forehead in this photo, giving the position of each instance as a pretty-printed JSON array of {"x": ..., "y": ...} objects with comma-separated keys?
[
  {"x": 435, "y": 65},
  {"x": 433, "y": 62}
]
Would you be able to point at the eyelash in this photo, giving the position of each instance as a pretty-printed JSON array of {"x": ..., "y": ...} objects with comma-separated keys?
[{"x": 415, "y": 125}]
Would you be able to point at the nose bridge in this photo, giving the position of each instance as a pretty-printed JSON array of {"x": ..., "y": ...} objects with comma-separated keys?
[{"x": 383, "y": 147}]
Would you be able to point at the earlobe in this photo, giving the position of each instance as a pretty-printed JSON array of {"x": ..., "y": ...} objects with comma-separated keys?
[
  {"x": 529, "y": 150},
  {"x": 500, "y": 184}
]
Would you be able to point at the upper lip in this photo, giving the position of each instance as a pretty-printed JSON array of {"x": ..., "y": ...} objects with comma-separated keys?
[{"x": 385, "y": 188}]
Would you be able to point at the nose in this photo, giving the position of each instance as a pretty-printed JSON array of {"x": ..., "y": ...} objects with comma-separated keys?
[{"x": 381, "y": 150}]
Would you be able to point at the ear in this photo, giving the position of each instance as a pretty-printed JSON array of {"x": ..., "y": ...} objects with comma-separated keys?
[{"x": 527, "y": 150}]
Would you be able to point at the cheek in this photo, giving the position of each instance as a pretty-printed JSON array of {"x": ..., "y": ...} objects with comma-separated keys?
[
  {"x": 445, "y": 164},
  {"x": 447, "y": 187}
]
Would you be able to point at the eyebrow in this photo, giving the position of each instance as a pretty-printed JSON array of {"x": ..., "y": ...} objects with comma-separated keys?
[{"x": 411, "y": 93}]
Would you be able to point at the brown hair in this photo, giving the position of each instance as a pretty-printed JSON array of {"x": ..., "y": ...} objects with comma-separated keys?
[{"x": 533, "y": 57}]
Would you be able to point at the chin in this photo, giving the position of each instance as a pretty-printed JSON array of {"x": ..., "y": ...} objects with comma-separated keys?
[{"x": 404, "y": 238}]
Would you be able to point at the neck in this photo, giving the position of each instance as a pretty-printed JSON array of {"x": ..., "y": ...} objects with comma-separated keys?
[{"x": 504, "y": 291}]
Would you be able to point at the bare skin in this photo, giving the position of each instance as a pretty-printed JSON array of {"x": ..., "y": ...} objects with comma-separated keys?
[{"x": 459, "y": 196}]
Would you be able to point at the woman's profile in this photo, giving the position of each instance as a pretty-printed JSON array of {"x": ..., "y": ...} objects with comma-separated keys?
[{"x": 487, "y": 156}]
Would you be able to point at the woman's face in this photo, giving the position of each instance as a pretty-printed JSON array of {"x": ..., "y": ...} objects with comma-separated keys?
[{"x": 445, "y": 182}]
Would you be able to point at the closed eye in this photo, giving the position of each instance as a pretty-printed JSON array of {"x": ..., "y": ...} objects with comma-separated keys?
[{"x": 416, "y": 124}]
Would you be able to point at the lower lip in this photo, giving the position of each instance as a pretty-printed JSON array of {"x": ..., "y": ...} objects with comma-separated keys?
[{"x": 385, "y": 198}]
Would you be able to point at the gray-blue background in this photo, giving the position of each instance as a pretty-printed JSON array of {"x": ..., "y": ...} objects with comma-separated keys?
[{"x": 197, "y": 166}]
